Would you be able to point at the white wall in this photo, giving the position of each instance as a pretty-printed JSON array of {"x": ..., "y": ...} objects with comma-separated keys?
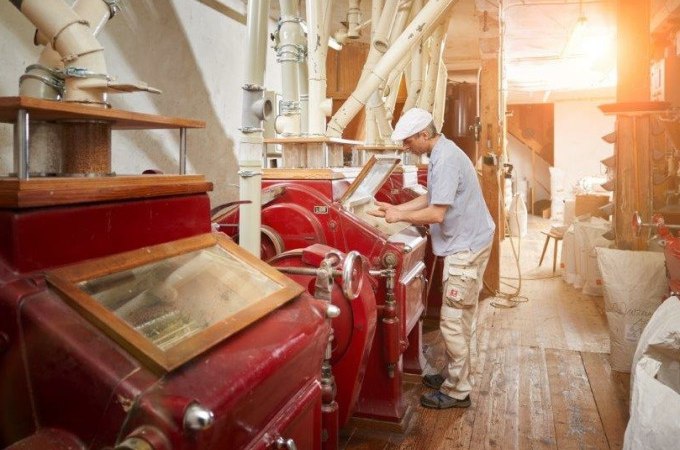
[
  {"x": 519, "y": 155},
  {"x": 194, "y": 54},
  {"x": 579, "y": 127}
]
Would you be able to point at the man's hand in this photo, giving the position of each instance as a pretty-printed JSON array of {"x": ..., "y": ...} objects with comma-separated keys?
[
  {"x": 393, "y": 215},
  {"x": 382, "y": 208},
  {"x": 376, "y": 212}
]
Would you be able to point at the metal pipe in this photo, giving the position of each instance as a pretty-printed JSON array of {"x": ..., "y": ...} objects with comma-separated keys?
[
  {"x": 414, "y": 76},
  {"x": 354, "y": 19},
  {"x": 440, "y": 97},
  {"x": 70, "y": 36},
  {"x": 318, "y": 15},
  {"x": 402, "y": 16},
  {"x": 21, "y": 136},
  {"x": 96, "y": 13},
  {"x": 376, "y": 106},
  {"x": 415, "y": 83},
  {"x": 420, "y": 26},
  {"x": 381, "y": 35},
  {"x": 303, "y": 87},
  {"x": 426, "y": 100},
  {"x": 182, "y": 151},
  {"x": 289, "y": 53},
  {"x": 254, "y": 109},
  {"x": 394, "y": 81}
]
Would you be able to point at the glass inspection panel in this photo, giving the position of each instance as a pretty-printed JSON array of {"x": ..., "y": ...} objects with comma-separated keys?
[
  {"x": 168, "y": 303},
  {"x": 371, "y": 178}
]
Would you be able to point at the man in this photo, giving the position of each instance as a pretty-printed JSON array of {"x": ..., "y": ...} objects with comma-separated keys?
[{"x": 461, "y": 230}]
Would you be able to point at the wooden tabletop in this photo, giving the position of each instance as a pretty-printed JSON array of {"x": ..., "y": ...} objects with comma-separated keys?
[
  {"x": 301, "y": 174},
  {"x": 53, "y": 111},
  {"x": 47, "y": 191}
]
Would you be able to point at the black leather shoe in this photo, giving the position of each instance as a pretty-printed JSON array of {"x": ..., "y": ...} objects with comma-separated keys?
[
  {"x": 433, "y": 381},
  {"x": 439, "y": 400}
]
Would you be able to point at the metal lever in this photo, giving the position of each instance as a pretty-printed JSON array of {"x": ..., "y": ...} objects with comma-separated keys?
[
  {"x": 637, "y": 224},
  {"x": 353, "y": 265},
  {"x": 287, "y": 444}
]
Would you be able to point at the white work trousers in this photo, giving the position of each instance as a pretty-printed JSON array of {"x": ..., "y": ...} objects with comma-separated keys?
[{"x": 462, "y": 277}]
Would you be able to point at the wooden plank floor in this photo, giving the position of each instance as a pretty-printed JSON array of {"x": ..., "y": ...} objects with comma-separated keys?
[{"x": 543, "y": 379}]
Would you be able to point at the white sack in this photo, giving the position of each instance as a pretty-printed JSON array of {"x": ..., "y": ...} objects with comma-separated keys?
[
  {"x": 517, "y": 217},
  {"x": 592, "y": 284},
  {"x": 634, "y": 286},
  {"x": 655, "y": 383}
]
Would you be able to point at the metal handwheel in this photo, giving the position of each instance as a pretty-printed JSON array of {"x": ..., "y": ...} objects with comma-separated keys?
[{"x": 351, "y": 268}]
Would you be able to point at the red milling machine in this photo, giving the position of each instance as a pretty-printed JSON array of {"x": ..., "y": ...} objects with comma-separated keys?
[
  {"x": 304, "y": 206},
  {"x": 126, "y": 323},
  {"x": 404, "y": 184}
]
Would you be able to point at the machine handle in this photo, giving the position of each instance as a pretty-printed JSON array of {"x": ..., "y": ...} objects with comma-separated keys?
[
  {"x": 637, "y": 224},
  {"x": 288, "y": 444},
  {"x": 350, "y": 269}
]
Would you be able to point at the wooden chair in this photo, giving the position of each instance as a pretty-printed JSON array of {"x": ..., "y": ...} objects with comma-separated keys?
[{"x": 558, "y": 237}]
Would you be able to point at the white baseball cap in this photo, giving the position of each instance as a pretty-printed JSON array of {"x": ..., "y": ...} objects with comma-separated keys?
[{"x": 413, "y": 121}]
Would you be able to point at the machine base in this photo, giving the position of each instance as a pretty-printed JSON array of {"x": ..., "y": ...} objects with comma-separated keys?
[
  {"x": 412, "y": 378},
  {"x": 365, "y": 423}
]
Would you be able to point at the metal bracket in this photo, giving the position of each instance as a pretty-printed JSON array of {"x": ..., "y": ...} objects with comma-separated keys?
[{"x": 249, "y": 173}]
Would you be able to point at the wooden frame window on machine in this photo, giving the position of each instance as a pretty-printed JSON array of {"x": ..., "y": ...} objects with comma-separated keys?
[{"x": 168, "y": 303}]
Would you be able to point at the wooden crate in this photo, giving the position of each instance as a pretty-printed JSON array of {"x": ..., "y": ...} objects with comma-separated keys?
[{"x": 590, "y": 204}]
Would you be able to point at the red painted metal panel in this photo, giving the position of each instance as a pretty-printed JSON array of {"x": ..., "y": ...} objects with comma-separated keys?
[
  {"x": 85, "y": 385},
  {"x": 40, "y": 238}
]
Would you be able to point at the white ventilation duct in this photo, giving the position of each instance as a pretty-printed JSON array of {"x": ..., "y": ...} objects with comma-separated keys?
[
  {"x": 415, "y": 78},
  {"x": 41, "y": 80},
  {"x": 354, "y": 19},
  {"x": 254, "y": 109},
  {"x": 290, "y": 53},
  {"x": 81, "y": 53},
  {"x": 420, "y": 26},
  {"x": 318, "y": 15},
  {"x": 426, "y": 99},
  {"x": 380, "y": 38},
  {"x": 440, "y": 97}
]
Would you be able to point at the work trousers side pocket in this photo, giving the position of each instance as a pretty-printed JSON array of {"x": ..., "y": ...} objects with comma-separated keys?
[{"x": 460, "y": 289}]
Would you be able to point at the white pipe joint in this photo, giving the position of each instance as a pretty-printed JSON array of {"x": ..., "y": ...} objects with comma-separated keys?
[
  {"x": 70, "y": 35},
  {"x": 256, "y": 109},
  {"x": 287, "y": 125},
  {"x": 353, "y": 20},
  {"x": 95, "y": 12},
  {"x": 288, "y": 36},
  {"x": 46, "y": 78},
  {"x": 326, "y": 106}
]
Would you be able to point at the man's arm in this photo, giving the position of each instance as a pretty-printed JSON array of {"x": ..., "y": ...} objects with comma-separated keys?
[
  {"x": 422, "y": 216},
  {"x": 419, "y": 202}
]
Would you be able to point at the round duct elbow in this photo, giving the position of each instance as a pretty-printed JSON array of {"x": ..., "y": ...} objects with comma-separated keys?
[
  {"x": 381, "y": 43},
  {"x": 327, "y": 106},
  {"x": 262, "y": 109},
  {"x": 287, "y": 125}
]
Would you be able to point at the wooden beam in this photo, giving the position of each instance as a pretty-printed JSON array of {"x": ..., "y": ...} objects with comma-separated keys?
[
  {"x": 633, "y": 163},
  {"x": 492, "y": 136},
  {"x": 227, "y": 10}
]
